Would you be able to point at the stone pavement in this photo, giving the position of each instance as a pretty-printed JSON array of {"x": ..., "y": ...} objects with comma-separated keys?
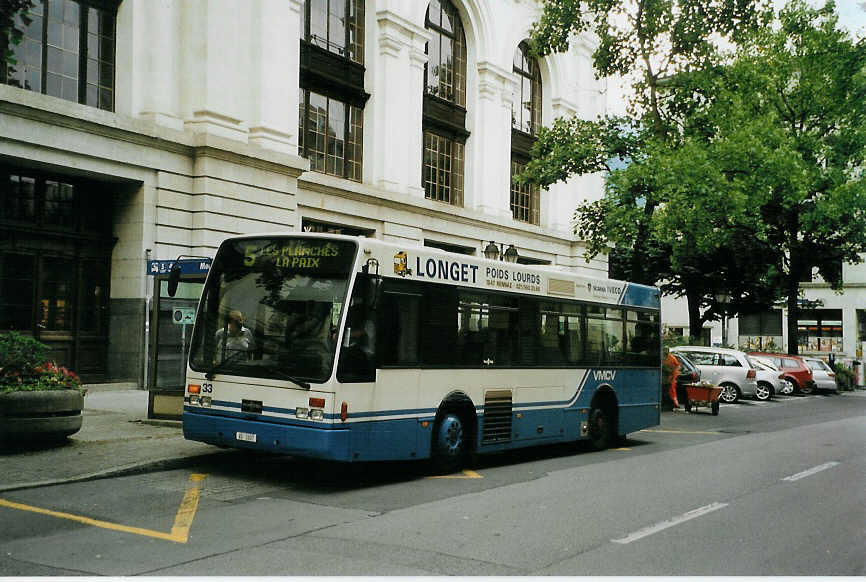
[{"x": 115, "y": 438}]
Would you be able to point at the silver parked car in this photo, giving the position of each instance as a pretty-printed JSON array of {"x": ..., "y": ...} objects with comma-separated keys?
[
  {"x": 823, "y": 374},
  {"x": 781, "y": 386},
  {"x": 770, "y": 379},
  {"x": 729, "y": 369}
]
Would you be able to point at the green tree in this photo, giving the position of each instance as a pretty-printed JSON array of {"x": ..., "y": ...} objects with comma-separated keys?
[
  {"x": 794, "y": 101},
  {"x": 663, "y": 45}
]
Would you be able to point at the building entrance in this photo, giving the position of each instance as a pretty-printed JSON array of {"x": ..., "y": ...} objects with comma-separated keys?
[{"x": 55, "y": 266}]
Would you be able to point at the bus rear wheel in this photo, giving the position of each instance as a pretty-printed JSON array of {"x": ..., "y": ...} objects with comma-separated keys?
[
  {"x": 601, "y": 429},
  {"x": 449, "y": 443}
]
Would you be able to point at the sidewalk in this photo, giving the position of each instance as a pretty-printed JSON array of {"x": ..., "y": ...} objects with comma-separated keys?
[{"x": 115, "y": 438}]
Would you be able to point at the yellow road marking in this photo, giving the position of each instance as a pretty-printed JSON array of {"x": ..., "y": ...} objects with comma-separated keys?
[
  {"x": 179, "y": 532},
  {"x": 623, "y": 449},
  {"x": 681, "y": 431},
  {"x": 467, "y": 474}
]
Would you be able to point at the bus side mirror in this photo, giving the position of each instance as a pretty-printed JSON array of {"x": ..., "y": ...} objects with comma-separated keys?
[
  {"x": 173, "y": 279},
  {"x": 373, "y": 290}
]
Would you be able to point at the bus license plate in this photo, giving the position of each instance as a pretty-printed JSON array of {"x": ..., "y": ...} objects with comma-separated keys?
[{"x": 246, "y": 436}]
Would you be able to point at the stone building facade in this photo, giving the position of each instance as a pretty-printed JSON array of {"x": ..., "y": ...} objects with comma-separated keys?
[{"x": 141, "y": 130}]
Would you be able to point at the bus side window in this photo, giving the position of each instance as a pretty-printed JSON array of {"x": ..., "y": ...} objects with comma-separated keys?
[
  {"x": 439, "y": 333},
  {"x": 399, "y": 318}
]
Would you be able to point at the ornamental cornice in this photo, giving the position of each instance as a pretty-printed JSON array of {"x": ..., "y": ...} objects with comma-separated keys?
[
  {"x": 393, "y": 23},
  {"x": 495, "y": 82}
]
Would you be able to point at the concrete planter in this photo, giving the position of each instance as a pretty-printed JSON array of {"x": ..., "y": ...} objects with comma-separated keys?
[{"x": 39, "y": 416}]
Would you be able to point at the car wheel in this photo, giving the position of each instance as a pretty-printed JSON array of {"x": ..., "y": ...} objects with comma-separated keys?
[
  {"x": 714, "y": 408},
  {"x": 730, "y": 393},
  {"x": 806, "y": 389},
  {"x": 762, "y": 392},
  {"x": 790, "y": 387}
]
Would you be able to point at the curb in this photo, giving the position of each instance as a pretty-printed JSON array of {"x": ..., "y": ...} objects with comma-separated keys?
[{"x": 120, "y": 471}]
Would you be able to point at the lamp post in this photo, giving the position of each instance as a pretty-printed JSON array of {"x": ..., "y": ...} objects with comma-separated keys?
[
  {"x": 723, "y": 299},
  {"x": 494, "y": 251}
]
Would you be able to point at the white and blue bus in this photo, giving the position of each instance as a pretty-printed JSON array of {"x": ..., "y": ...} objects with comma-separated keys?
[{"x": 354, "y": 349}]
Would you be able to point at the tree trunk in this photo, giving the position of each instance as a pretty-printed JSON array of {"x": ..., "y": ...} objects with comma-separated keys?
[
  {"x": 793, "y": 312},
  {"x": 696, "y": 322}
]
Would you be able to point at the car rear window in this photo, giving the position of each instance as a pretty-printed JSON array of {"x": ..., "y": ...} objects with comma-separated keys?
[
  {"x": 701, "y": 358},
  {"x": 730, "y": 360},
  {"x": 789, "y": 363}
]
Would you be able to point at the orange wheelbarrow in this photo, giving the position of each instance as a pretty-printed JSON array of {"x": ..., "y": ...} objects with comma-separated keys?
[{"x": 703, "y": 395}]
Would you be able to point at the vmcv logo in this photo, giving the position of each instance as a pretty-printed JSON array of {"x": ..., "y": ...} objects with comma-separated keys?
[{"x": 604, "y": 375}]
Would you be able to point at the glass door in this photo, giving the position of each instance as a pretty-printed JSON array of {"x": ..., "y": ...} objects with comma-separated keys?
[{"x": 171, "y": 332}]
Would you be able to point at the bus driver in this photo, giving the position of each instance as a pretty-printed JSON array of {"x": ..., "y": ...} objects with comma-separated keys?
[{"x": 235, "y": 336}]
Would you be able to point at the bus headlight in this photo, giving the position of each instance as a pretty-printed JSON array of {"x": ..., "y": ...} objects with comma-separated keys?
[
  {"x": 206, "y": 401},
  {"x": 302, "y": 412},
  {"x": 317, "y": 414},
  {"x": 194, "y": 399}
]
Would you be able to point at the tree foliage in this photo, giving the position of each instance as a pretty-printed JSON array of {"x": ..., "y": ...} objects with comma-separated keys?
[
  {"x": 796, "y": 96},
  {"x": 663, "y": 46},
  {"x": 744, "y": 173}
]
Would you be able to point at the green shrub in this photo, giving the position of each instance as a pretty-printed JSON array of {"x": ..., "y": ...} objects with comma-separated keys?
[
  {"x": 24, "y": 366},
  {"x": 844, "y": 376}
]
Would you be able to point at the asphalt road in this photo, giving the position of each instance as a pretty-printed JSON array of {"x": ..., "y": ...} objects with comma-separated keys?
[{"x": 773, "y": 488}]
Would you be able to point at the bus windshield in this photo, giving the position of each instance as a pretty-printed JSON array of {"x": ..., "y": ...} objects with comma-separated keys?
[{"x": 271, "y": 307}]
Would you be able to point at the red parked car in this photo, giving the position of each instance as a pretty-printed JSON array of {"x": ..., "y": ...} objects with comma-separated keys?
[{"x": 796, "y": 373}]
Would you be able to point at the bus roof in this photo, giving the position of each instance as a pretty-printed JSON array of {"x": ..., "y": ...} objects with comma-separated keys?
[{"x": 433, "y": 265}]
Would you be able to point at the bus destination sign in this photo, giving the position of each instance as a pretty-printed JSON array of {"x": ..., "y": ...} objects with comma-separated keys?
[{"x": 291, "y": 254}]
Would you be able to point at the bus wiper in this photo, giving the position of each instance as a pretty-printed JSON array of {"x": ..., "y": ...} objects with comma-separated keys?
[
  {"x": 220, "y": 367},
  {"x": 283, "y": 375}
]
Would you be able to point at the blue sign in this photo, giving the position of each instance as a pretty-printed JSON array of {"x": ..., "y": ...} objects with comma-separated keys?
[{"x": 187, "y": 266}]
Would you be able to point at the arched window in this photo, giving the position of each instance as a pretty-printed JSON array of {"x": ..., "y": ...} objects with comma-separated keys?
[
  {"x": 332, "y": 96},
  {"x": 446, "y": 53},
  {"x": 525, "y": 121},
  {"x": 444, "y": 120},
  {"x": 526, "y": 108}
]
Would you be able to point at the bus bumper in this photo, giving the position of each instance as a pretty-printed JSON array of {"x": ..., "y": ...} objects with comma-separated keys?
[{"x": 302, "y": 441}]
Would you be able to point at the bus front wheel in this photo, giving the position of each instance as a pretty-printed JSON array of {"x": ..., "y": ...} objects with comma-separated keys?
[
  {"x": 601, "y": 429},
  {"x": 449, "y": 443}
]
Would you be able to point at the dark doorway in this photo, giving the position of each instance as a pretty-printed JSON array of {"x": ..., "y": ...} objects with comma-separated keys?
[{"x": 55, "y": 265}]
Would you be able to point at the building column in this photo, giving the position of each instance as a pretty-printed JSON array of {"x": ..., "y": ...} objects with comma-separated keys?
[
  {"x": 558, "y": 202},
  {"x": 489, "y": 183},
  {"x": 276, "y": 30},
  {"x": 398, "y": 104},
  {"x": 154, "y": 58},
  {"x": 215, "y": 63}
]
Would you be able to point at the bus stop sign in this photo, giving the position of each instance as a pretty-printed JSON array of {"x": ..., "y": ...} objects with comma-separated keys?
[{"x": 183, "y": 315}]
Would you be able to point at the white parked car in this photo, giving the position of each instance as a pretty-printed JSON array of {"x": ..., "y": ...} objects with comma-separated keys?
[
  {"x": 823, "y": 374},
  {"x": 781, "y": 386},
  {"x": 771, "y": 380},
  {"x": 729, "y": 369}
]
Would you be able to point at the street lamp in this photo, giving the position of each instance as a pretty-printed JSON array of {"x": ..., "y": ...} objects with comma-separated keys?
[
  {"x": 494, "y": 251},
  {"x": 723, "y": 299}
]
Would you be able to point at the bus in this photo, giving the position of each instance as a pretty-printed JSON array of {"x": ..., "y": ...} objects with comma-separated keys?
[{"x": 354, "y": 349}]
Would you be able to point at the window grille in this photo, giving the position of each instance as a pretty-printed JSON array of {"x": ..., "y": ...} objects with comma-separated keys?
[
  {"x": 443, "y": 169},
  {"x": 331, "y": 135},
  {"x": 524, "y": 197}
]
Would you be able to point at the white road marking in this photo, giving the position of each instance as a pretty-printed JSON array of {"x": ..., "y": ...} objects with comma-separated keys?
[
  {"x": 642, "y": 533},
  {"x": 811, "y": 471}
]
